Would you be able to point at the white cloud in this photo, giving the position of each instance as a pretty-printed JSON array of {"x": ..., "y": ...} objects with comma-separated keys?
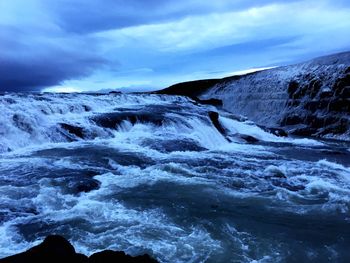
[
  {"x": 202, "y": 32},
  {"x": 245, "y": 71}
]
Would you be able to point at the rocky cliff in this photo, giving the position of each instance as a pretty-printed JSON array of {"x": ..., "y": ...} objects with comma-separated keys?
[{"x": 308, "y": 99}]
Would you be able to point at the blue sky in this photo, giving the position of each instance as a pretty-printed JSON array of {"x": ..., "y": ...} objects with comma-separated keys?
[{"x": 142, "y": 44}]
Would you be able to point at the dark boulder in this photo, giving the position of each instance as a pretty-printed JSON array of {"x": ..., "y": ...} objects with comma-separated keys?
[
  {"x": 214, "y": 118},
  {"x": 74, "y": 130},
  {"x": 53, "y": 249},
  {"x": 57, "y": 249},
  {"x": 249, "y": 138},
  {"x": 119, "y": 256},
  {"x": 84, "y": 185},
  {"x": 87, "y": 108}
]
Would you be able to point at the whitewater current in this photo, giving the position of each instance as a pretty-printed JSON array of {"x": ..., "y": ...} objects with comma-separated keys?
[{"x": 152, "y": 174}]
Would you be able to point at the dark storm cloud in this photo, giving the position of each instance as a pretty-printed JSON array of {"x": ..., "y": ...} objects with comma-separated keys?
[
  {"x": 44, "y": 70},
  {"x": 29, "y": 63}
]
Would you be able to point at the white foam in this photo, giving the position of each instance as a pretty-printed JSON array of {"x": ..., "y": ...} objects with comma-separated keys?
[
  {"x": 111, "y": 225},
  {"x": 33, "y": 119},
  {"x": 333, "y": 165},
  {"x": 249, "y": 128}
]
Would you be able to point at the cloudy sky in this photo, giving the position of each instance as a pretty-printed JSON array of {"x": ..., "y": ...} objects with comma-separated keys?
[{"x": 141, "y": 44}]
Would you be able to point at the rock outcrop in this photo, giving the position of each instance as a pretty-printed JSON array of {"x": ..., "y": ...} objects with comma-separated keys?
[
  {"x": 307, "y": 99},
  {"x": 57, "y": 249}
]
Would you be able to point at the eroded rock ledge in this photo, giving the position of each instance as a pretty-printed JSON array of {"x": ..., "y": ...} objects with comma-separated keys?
[{"x": 57, "y": 249}]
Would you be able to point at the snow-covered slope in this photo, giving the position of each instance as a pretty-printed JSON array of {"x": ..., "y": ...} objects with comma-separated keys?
[{"x": 311, "y": 98}]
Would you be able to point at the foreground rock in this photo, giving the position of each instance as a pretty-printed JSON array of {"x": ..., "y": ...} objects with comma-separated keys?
[{"x": 58, "y": 249}]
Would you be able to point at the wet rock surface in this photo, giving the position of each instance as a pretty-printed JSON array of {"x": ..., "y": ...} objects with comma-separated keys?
[{"x": 320, "y": 104}]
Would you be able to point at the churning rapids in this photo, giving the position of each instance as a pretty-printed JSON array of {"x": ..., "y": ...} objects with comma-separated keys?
[{"x": 152, "y": 174}]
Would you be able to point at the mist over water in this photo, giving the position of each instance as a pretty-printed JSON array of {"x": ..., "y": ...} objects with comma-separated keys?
[{"x": 152, "y": 174}]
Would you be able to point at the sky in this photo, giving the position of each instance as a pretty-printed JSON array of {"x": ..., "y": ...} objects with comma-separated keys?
[{"x": 135, "y": 45}]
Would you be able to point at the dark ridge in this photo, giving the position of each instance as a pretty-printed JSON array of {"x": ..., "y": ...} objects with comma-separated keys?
[
  {"x": 57, "y": 249},
  {"x": 197, "y": 87},
  {"x": 190, "y": 88}
]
